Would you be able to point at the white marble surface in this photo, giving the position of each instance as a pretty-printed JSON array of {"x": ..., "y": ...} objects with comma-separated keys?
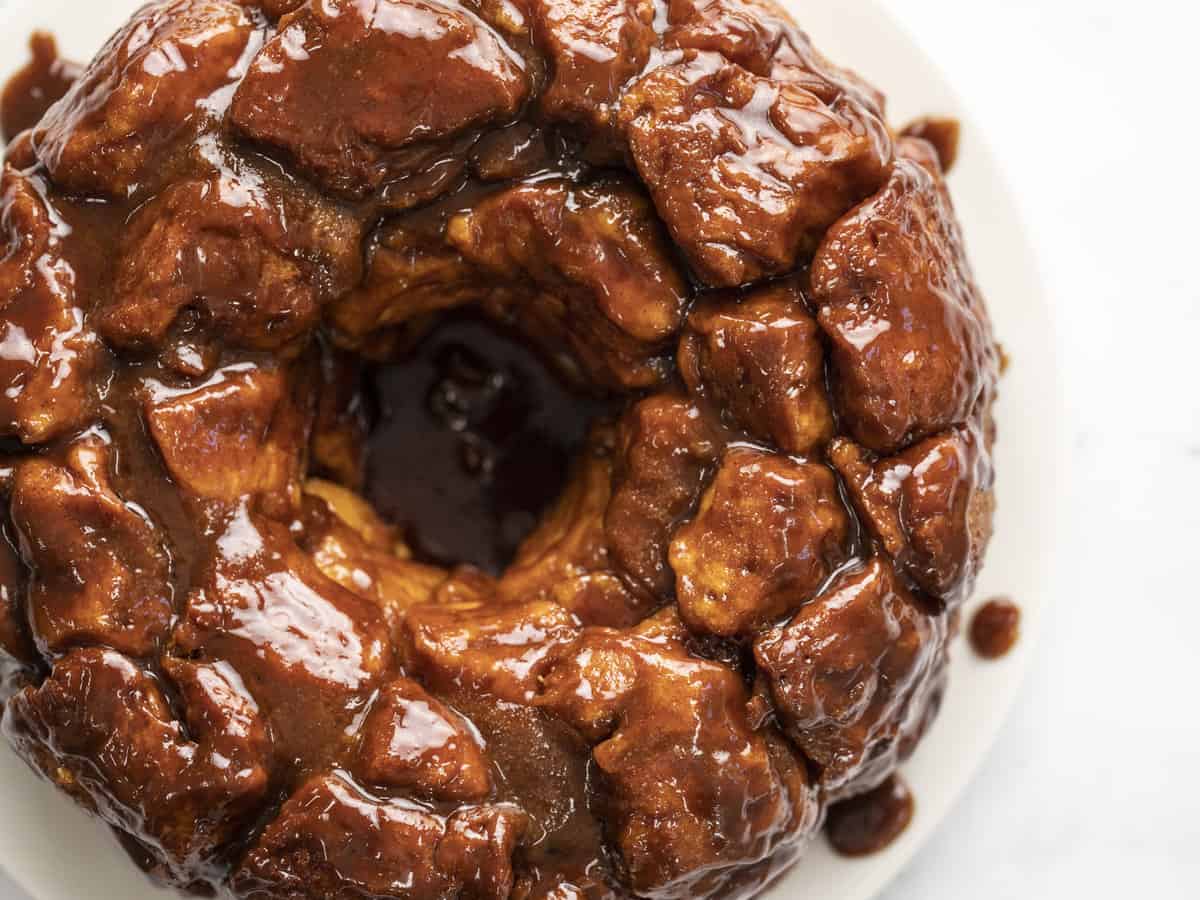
[{"x": 1094, "y": 787}]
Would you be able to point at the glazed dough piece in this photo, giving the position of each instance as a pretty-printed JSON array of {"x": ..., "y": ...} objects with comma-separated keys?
[
  {"x": 357, "y": 514},
  {"x": 696, "y": 794},
  {"x": 231, "y": 260},
  {"x": 759, "y": 358},
  {"x": 478, "y": 648},
  {"x": 768, "y": 533},
  {"x": 415, "y": 743},
  {"x": 311, "y": 652},
  {"x": 157, "y": 81},
  {"x": 333, "y": 839},
  {"x": 234, "y": 436},
  {"x": 101, "y": 729},
  {"x": 569, "y": 541},
  {"x": 604, "y": 282},
  {"x": 665, "y": 448},
  {"x": 854, "y": 675},
  {"x": 515, "y": 151},
  {"x": 930, "y": 507},
  {"x": 18, "y": 655},
  {"x": 52, "y": 358},
  {"x": 583, "y": 270},
  {"x": 98, "y": 566},
  {"x": 747, "y": 171},
  {"x": 593, "y": 49},
  {"x": 762, "y": 38},
  {"x": 751, "y": 33},
  {"x": 564, "y": 885},
  {"x": 911, "y": 347},
  {"x": 338, "y": 447},
  {"x": 543, "y": 765},
  {"x": 567, "y": 556},
  {"x": 358, "y": 93},
  {"x": 412, "y": 275},
  {"x": 277, "y": 8},
  {"x": 353, "y": 547}
]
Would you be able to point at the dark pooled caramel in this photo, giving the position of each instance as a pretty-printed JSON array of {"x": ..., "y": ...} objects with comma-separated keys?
[{"x": 870, "y": 822}]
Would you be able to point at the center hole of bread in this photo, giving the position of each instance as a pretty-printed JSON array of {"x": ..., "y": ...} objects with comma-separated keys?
[{"x": 473, "y": 442}]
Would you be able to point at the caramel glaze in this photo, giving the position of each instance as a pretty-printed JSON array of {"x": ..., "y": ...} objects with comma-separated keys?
[
  {"x": 494, "y": 432},
  {"x": 941, "y": 132},
  {"x": 995, "y": 628},
  {"x": 33, "y": 90},
  {"x": 714, "y": 555},
  {"x": 870, "y": 822}
]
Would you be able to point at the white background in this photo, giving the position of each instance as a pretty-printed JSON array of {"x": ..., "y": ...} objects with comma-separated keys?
[{"x": 1093, "y": 789}]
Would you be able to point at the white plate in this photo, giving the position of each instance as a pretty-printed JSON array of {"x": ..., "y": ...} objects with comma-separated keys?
[{"x": 58, "y": 853}]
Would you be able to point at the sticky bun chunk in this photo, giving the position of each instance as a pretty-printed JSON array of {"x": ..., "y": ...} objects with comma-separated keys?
[{"x": 731, "y": 606}]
